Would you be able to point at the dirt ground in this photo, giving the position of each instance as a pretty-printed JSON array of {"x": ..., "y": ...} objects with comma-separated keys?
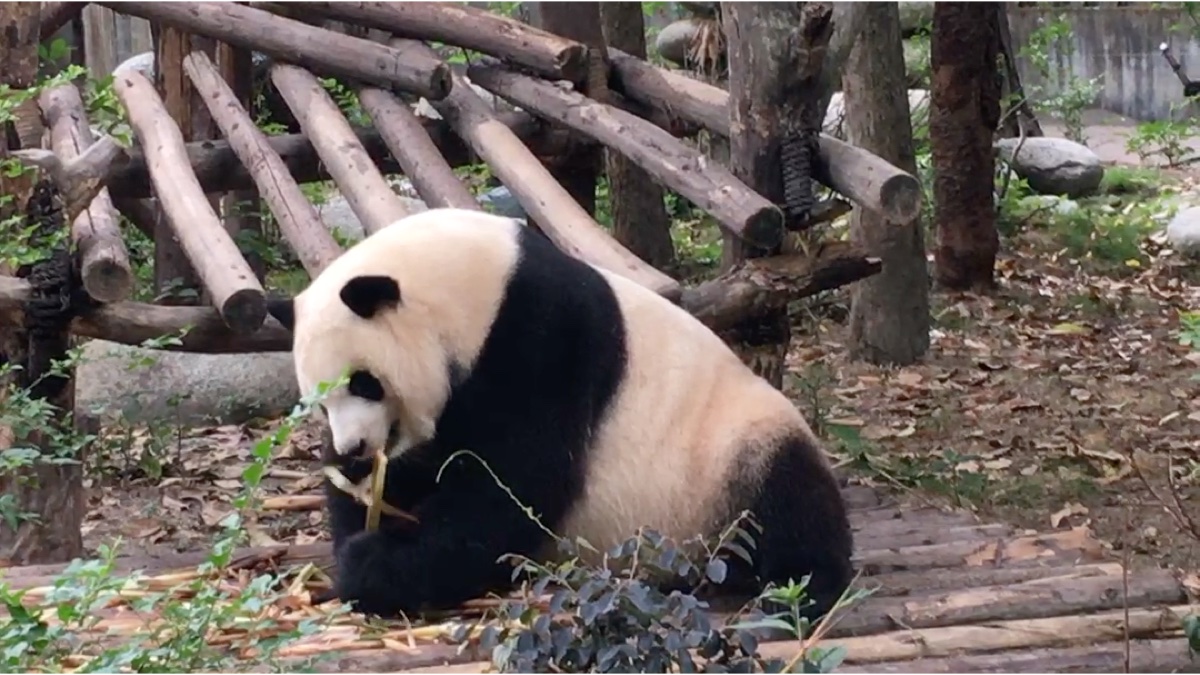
[{"x": 1044, "y": 405}]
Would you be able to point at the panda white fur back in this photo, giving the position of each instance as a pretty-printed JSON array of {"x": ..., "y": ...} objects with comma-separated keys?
[{"x": 600, "y": 404}]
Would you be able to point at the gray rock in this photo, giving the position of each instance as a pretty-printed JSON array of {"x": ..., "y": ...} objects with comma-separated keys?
[
  {"x": 835, "y": 114},
  {"x": 673, "y": 40},
  {"x": 144, "y": 385},
  {"x": 1183, "y": 232},
  {"x": 1054, "y": 166},
  {"x": 338, "y": 216}
]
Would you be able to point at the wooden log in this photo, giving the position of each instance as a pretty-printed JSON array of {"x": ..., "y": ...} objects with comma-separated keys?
[
  {"x": 866, "y": 179},
  {"x": 920, "y": 582},
  {"x": 298, "y": 43},
  {"x": 994, "y": 636},
  {"x": 175, "y": 281},
  {"x": 543, "y": 198},
  {"x": 740, "y": 210},
  {"x": 55, "y": 15},
  {"x": 412, "y": 147},
  {"x": 103, "y": 259},
  {"x": 133, "y": 323},
  {"x": 139, "y": 212},
  {"x": 235, "y": 290},
  {"x": 465, "y": 26},
  {"x": 928, "y": 536},
  {"x": 80, "y": 179},
  {"x": 298, "y": 221},
  {"x": 1145, "y": 656},
  {"x": 218, "y": 168},
  {"x": 1066, "y": 593},
  {"x": 889, "y": 517},
  {"x": 361, "y": 183},
  {"x": 1077, "y": 543},
  {"x": 761, "y": 285}
]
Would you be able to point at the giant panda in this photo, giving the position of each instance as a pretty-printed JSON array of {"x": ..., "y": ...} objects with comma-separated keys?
[{"x": 600, "y": 405}]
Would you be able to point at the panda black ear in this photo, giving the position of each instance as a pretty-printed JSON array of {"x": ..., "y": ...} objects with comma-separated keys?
[
  {"x": 366, "y": 295},
  {"x": 284, "y": 311}
]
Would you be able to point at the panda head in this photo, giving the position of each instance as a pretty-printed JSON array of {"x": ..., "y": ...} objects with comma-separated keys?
[
  {"x": 360, "y": 332},
  {"x": 398, "y": 313}
]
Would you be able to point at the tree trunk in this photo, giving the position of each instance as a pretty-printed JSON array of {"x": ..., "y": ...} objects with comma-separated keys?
[
  {"x": 639, "y": 216},
  {"x": 964, "y": 112},
  {"x": 44, "y": 502},
  {"x": 580, "y": 21},
  {"x": 775, "y": 53},
  {"x": 1021, "y": 118},
  {"x": 889, "y": 312},
  {"x": 175, "y": 280}
]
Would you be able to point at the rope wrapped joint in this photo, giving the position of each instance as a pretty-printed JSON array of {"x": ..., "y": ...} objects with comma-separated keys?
[{"x": 56, "y": 293}]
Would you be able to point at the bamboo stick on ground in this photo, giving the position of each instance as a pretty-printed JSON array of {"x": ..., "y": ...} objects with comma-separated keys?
[
  {"x": 365, "y": 190},
  {"x": 296, "y": 42},
  {"x": 298, "y": 221},
  {"x": 865, "y": 178},
  {"x": 464, "y": 26},
  {"x": 686, "y": 170},
  {"x": 103, "y": 259},
  {"x": 225, "y": 273},
  {"x": 546, "y": 201}
]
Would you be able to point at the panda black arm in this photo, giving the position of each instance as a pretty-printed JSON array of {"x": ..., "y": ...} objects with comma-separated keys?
[
  {"x": 467, "y": 524},
  {"x": 409, "y": 481}
]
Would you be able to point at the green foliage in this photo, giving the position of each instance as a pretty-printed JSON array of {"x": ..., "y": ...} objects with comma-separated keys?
[
  {"x": 607, "y": 611},
  {"x": 1167, "y": 137},
  {"x": 1075, "y": 94},
  {"x": 1189, "y": 329},
  {"x": 54, "y": 631},
  {"x": 614, "y": 617}
]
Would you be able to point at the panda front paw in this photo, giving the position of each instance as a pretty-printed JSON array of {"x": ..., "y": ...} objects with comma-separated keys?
[{"x": 363, "y": 576}]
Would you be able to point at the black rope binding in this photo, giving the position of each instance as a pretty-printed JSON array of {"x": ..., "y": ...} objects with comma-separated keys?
[
  {"x": 56, "y": 294},
  {"x": 795, "y": 157}
]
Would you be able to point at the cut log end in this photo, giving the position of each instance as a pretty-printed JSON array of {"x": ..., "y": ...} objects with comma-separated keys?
[
  {"x": 572, "y": 62},
  {"x": 244, "y": 310},
  {"x": 764, "y": 228},
  {"x": 107, "y": 278},
  {"x": 900, "y": 196},
  {"x": 441, "y": 81}
]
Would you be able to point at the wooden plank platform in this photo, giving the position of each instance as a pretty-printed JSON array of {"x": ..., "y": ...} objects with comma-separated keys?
[{"x": 951, "y": 594}]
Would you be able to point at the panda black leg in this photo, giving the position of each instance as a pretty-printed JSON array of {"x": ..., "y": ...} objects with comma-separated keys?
[{"x": 805, "y": 528}]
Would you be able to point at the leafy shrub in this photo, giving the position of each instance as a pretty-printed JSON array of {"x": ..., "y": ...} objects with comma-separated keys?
[{"x": 624, "y": 611}]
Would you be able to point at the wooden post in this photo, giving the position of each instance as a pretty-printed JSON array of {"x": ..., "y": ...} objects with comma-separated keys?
[
  {"x": 175, "y": 281},
  {"x": 889, "y": 313},
  {"x": 580, "y": 21},
  {"x": 242, "y": 208},
  {"x": 45, "y": 500},
  {"x": 963, "y": 113},
  {"x": 639, "y": 215},
  {"x": 775, "y": 52}
]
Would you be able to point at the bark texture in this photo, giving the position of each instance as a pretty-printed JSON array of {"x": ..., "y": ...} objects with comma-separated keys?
[
  {"x": 775, "y": 53},
  {"x": 580, "y": 21},
  {"x": 639, "y": 217},
  {"x": 889, "y": 312},
  {"x": 964, "y": 112}
]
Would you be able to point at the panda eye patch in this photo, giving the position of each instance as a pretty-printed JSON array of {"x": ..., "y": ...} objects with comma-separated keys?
[{"x": 365, "y": 385}]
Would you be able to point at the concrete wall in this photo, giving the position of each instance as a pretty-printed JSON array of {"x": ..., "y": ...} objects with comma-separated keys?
[{"x": 1120, "y": 45}]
